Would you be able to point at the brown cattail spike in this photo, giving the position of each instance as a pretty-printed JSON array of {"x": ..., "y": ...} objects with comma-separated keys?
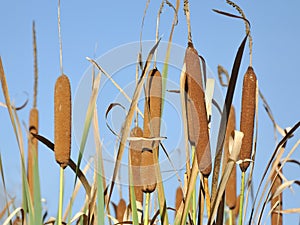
[
  {"x": 135, "y": 154},
  {"x": 196, "y": 111},
  {"x": 32, "y": 146},
  {"x": 276, "y": 218},
  {"x": 247, "y": 116},
  {"x": 62, "y": 120},
  {"x": 230, "y": 191},
  {"x": 152, "y": 116}
]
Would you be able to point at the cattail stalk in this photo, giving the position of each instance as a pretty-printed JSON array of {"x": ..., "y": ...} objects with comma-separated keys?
[
  {"x": 33, "y": 123},
  {"x": 247, "y": 127},
  {"x": 62, "y": 121},
  {"x": 152, "y": 119}
]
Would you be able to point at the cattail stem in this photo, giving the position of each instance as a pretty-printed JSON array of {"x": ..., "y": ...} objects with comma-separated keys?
[
  {"x": 207, "y": 196},
  {"x": 146, "y": 210},
  {"x": 242, "y": 198},
  {"x": 61, "y": 194}
]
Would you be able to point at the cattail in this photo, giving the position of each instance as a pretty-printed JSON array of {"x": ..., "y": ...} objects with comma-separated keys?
[
  {"x": 247, "y": 116},
  {"x": 32, "y": 146},
  {"x": 135, "y": 154},
  {"x": 198, "y": 133},
  {"x": 33, "y": 122},
  {"x": 230, "y": 191},
  {"x": 178, "y": 199},
  {"x": 152, "y": 116},
  {"x": 62, "y": 120},
  {"x": 276, "y": 218}
]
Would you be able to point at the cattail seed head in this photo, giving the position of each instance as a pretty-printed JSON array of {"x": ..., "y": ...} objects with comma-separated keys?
[
  {"x": 62, "y": 120},
  {"x": 247, "y": 116},
  {"x": 152, "y": 117},
  {"x": 196, "y": 111},
  {"x": 135, "y": 154}
]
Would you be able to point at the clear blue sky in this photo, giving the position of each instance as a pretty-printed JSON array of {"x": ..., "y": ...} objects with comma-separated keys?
[{"x": 274, "y": 28}]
